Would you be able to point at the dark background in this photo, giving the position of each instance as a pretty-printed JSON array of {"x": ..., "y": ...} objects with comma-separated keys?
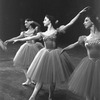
[
  {"x": 14, "y": 12},
  {"x": 12, "y": 15}
]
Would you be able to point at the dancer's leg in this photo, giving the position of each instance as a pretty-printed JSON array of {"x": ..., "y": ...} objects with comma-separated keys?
[
  {"x": 27, "y": 82},
  {"x": 37, "y": 88},
  {"x": 51, "y": 90}
]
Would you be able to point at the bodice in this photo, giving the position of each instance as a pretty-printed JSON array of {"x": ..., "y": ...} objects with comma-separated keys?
[
  {"x": 29, "y": 34},
  {"x": 93, "y": 48},
  {"x": 50, "y": 41}
]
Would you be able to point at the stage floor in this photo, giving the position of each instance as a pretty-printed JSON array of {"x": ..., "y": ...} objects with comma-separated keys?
[{"x": 11, "y": 78}]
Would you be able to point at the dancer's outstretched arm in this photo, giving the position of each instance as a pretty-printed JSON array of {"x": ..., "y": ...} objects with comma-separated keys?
[
  {"x": 70, "y": 46},
  {"x": 64, "y": 27},
  {"x": 14, "y": 38},
  {"x": 38, "y": 36}
]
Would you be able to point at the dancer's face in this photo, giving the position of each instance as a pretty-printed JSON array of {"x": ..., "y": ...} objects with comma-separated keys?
[
  {"x": 87, "y": 23},
  {"x": 27, "y": 24},
  {"x": 46, "y": 21}
]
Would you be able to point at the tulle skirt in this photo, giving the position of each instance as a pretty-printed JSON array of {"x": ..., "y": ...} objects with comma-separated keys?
[
  {"x": 49, "y": 66},
  {"x": 26, "y": 54},
  {"x": 85, "y": 79}
]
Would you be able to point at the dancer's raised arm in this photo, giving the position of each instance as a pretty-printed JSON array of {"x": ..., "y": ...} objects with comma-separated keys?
[{"x": 64, "y": 27}]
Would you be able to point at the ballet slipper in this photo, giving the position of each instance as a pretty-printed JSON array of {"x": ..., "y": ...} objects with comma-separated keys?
[
  {"x": 49, "y": 98},
  {"x": 33, "y": 83},
  {"x": 26, "y": 83},
  {"x": 32, "y": 98}
]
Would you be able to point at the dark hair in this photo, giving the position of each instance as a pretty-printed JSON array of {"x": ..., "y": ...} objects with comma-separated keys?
[
  {"x": 33, "y": 24},
  {"x": 95, "y": 20},
  {"x": 28, "y": 19},
  {"x": 52, "y": 19}
]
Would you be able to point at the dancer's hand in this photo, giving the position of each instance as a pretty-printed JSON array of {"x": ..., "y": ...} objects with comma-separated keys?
[
  {"x": 85, "y": 9},
  {"x": 6, "y": 42},
  {"x": 15, "y": 41},
  {"x": 2, "y": 45},
  {"x": 63, "y": 50}
]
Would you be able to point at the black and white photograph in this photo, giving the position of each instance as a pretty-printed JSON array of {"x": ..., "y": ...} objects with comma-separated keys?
[{"x": 49, "y": 49}]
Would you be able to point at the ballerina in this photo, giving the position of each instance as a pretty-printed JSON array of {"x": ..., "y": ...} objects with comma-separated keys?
[
  {"x": 29, "y": 49},
  {"x": 85, "y": 80},
  {"x": 48, "y": 66}
]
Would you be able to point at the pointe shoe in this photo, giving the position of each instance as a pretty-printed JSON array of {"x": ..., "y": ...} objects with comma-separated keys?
[
  {"x": 49, "y": 98},
  {"x": 33, "y": 83},
  {"x": 26, "y": 83},
  {"x": 31, "y": 98}
]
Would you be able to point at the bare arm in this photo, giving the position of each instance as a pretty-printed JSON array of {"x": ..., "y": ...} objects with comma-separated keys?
[
  {"x": 38, "y": 36},
  {"x": 12, "y": 39},
  {"x": 64, "y": 27},
  {"x": 80, "y": 41},
  {"x": 71, "y": 46}
]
